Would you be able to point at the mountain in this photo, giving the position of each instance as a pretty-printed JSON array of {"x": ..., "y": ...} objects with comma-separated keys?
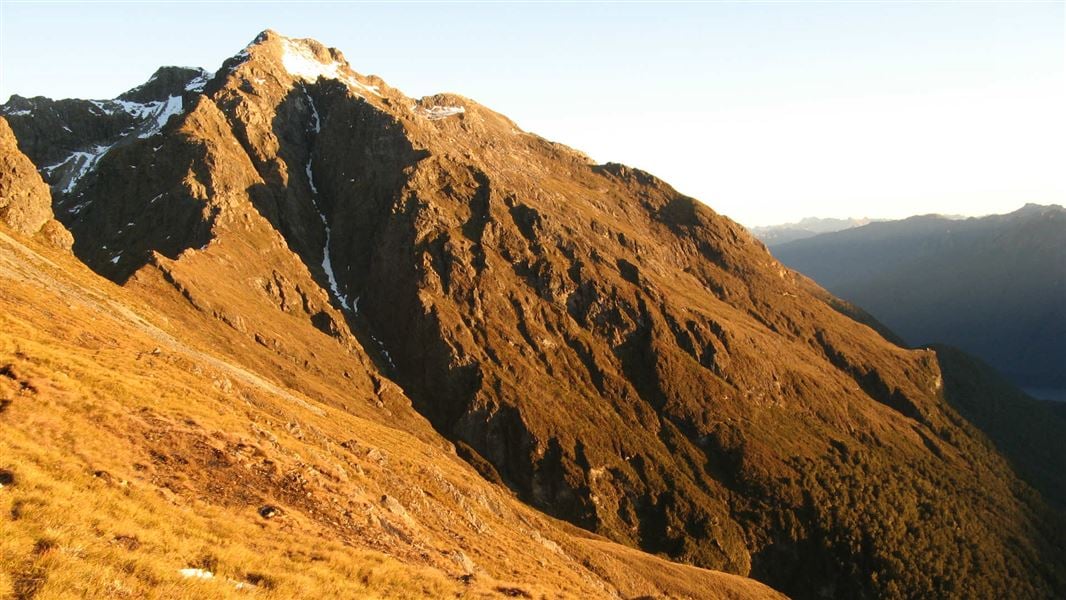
[
  {"x": 148, "y": 452},
  {"x": 422, "y": 335},
  {"x": 775, "y": 235},
  {"x": 993, "y": 286}
]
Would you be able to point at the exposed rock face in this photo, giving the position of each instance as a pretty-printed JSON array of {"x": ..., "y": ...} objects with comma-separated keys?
[
  {"x": 617, "y": 353},
  {"x": 25, "y": 202}
]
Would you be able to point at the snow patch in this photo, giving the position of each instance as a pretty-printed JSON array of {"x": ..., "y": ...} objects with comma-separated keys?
[
  {"x": 171, "y": 107},
  {"x": 327, "y": 266},
  {"x": 240, "y": 57},
  {"x": 116, "y": 258},
  {"x": 82, "y": 163},
  {"x": 327, "y": 263},
  {"x": 104, "y": 108},
  {"x": 18, "y": 113},
  {"x": 197, "y": 83},
  {"x": 300, "y": 61},
  {"x": 152, "y": 116},
  {"x": 316, "y": 122},
  {"x": 196, "y": 573},
  {"x": 434, "y": 113},
  {"x": 136, "y": 110},
  {"x": 316, "y": 126},
  {"x": 311, "y": 178},
  {"x": 384, "y": 352}
]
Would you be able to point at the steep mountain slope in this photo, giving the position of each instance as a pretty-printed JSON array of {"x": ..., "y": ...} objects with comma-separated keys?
[
  {"x": 25, "y": 202},
  {"x": 1027, "y": 431},
  {"x": 139, "y": 460},
  {"x": 993, "y": 286},
  {"x": 616, "y": 353}
]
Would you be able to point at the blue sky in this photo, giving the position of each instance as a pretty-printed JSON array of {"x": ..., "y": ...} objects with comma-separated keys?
[{"x": 768, "y": 112}]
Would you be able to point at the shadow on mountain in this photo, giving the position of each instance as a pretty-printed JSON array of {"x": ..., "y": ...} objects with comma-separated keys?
[
  {"x": 1027, "y": 431},
  {"x": 118, "y": 221},
  {"x": 1030, "y": 433},
  {"x": 346, "y": 167}
]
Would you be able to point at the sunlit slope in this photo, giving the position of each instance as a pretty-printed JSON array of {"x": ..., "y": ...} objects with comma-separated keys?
[{"x": 130, "y": 454}]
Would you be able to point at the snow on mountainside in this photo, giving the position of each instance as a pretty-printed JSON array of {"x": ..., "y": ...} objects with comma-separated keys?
[
  {"x": 303, "y": 59},
  {"x": 79, "y": 133}
]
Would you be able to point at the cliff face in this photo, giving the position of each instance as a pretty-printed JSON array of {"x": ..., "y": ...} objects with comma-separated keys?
[
  {"x": 614, "y": 352},
  {"x": 25, "y": 201}
]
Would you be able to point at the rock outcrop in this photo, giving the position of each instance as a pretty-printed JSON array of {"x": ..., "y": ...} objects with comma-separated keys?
[{"x": 25, "y": 201}]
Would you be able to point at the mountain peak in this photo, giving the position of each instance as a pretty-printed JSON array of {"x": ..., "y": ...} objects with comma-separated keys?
[
  {"x": 1032, "y": 208},
  {"x": 266, "y": 34},
  {"x": 168, "y": 82},
  {"x": 302, "y": 59}
]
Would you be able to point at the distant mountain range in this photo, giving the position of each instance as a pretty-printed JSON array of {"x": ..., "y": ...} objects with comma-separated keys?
[
  {"x": 775, "y": 235},
  {"x": 994, "y": 286}
]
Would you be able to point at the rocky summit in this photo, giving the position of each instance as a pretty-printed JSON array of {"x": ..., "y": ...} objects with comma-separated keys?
[{"x": 364, "y": 344}]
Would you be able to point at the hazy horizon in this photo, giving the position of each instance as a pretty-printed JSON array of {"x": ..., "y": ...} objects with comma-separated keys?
[
  {"x": 768, "y": 112},
  {"x": 873, "y": 218}
]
